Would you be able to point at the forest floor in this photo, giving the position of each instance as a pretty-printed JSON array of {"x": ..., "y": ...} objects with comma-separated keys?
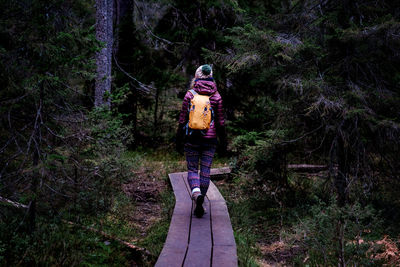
[
  {"x": 145, "y": 190},
  {"x": 153, "y": 200},
  {"x": 257, "y": 239},
  {"x": 152, "y": 196},
  {"x": 257, "y": 219}
]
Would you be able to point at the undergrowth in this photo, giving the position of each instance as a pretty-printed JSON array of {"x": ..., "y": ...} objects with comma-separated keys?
[
  {"x": 57, "y": 243},
  {"x": 304, "y": 227},
  {"x": 157, "y": 234}
]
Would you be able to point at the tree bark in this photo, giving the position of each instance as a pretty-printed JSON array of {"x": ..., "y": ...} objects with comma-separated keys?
[
  {"x": 343, "y": 170},
  {"x": 104, "y": 33},
  {"x": 134, "y": 115},
  {"x": 155, "y": 122},
  {"x": 32, "y": 204},
  {"x": 37, "y": 136}
]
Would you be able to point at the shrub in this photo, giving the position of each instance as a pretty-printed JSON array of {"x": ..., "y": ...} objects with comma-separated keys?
[{"x": 331, "y": 234}]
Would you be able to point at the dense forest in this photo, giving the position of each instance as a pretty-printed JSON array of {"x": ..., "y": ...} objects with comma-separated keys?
[{"x": 90, "y": 96}]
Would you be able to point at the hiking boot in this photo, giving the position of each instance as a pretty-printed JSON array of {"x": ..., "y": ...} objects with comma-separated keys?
[
  {"x": 199, "y": 210},
  {"x": 195, "y": 195}
]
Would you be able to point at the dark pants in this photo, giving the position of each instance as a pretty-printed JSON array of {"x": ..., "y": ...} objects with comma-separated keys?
[{"x": 202, "y": 152}]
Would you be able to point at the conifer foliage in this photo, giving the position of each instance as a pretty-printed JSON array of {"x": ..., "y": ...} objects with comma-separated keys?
[
  {"x": 58, "y": 158},
  {"x": 303, "y": 81}
]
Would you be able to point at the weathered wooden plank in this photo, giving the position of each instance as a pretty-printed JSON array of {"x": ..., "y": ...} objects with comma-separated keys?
[
  {"x": 200, "y": 245},
  {"x": 176, "y": 243},
  {"x": 224, "y": 245},
  {"x": 213, "y": 194},
  {"x": 170, "y": 256},
  {"x": 174, "y": 250},
  {"x": 195, "y": 241},
  {"x": 224, "y": 256},
  {"x": 182, "y": 208},
  {"x": 219, "y": 171},
  {"x": 179, "y": 187},
  {"x": 221, "y": 225},
  {"x": 178, "y": 233}
]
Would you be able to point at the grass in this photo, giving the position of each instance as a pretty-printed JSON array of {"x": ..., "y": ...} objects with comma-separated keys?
[
  {"x": 153, "y": 165},
  {"x": 240, "y": 214},
  {"x": 158, "y": 163},
  {"x": 244, "y": 219},
  {"x": 57, "y": 243},
  {"x": 165, "y": 162},
  {"x": 157, "y": 234},
  {"x": 260, "y": 220},
  {"x": 78, "y": 243},
  {"x": 257, "y": 217}
]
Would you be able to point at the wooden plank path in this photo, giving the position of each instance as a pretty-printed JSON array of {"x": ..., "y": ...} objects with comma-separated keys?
[{"x": 192, "y": 241}]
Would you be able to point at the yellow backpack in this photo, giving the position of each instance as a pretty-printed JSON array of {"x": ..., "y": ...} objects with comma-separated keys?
[{"x": 201, "y": 113}]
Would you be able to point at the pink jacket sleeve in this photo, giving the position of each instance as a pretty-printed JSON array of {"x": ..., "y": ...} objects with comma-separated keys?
[{"x": 217, "y": 104}]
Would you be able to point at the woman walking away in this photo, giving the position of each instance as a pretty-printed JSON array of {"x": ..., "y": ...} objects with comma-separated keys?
[{"x": 200, "y": 122}]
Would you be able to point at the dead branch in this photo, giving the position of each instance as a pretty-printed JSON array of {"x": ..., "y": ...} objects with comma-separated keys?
[
  {"x": 13, "y": 203},
  {"x": 151, "y": 32},
  {"x": 301, "y": 137},
  {"x": 56, "y": 192},
  {"x": 144, "y": 88}
]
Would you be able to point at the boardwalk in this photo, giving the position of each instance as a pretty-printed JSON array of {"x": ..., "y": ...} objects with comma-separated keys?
[{"x": 192, "y": 241}]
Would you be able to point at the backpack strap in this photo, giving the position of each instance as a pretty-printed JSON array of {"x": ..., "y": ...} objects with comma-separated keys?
[
  {"x": 188, "y": 130},
  {"x": 193, "y": 92}
]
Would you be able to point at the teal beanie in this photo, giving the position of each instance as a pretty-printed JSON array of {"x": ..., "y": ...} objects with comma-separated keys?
[{"x": 206, "y": 69}]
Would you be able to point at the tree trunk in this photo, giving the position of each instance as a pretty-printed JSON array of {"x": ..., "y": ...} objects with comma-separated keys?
[
  {"x": 343, "y": 171},
  {"x": 340, "y": 239},
  {"x": 134, "y": 114},
  {"x": 35, "y": 162},
  {"x": 32, "y": 204},
  {"x": 156, "y": 112},
  {"x": 104, "y": 33}
]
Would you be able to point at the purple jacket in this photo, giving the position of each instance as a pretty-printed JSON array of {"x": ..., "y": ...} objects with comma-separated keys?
[{"x": 205, "y": 87}]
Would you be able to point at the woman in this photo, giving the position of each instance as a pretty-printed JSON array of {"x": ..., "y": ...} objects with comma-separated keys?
[{"x": 199, "y": 145}]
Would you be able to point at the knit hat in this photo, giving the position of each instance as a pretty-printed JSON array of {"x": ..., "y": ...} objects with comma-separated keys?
[{"x": 203, "y": 72}]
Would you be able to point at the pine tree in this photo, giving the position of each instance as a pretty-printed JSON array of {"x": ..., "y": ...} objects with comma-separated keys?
[{"x": 104, "y": 34}]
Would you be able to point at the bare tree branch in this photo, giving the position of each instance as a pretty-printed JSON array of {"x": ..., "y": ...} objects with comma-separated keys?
[
  {"x": 301, "y": 137},
  {"x": 13, "y": 203}
]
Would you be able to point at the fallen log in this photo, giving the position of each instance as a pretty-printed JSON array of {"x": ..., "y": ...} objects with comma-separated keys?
[{"x": 220, "y": 173}]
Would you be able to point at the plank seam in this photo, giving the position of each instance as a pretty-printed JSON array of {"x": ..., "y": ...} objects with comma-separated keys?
[
  {"x": 190, "y": 224},
  {"x": 215, "y": 199},
  {"x": 212, "y": 236}
]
